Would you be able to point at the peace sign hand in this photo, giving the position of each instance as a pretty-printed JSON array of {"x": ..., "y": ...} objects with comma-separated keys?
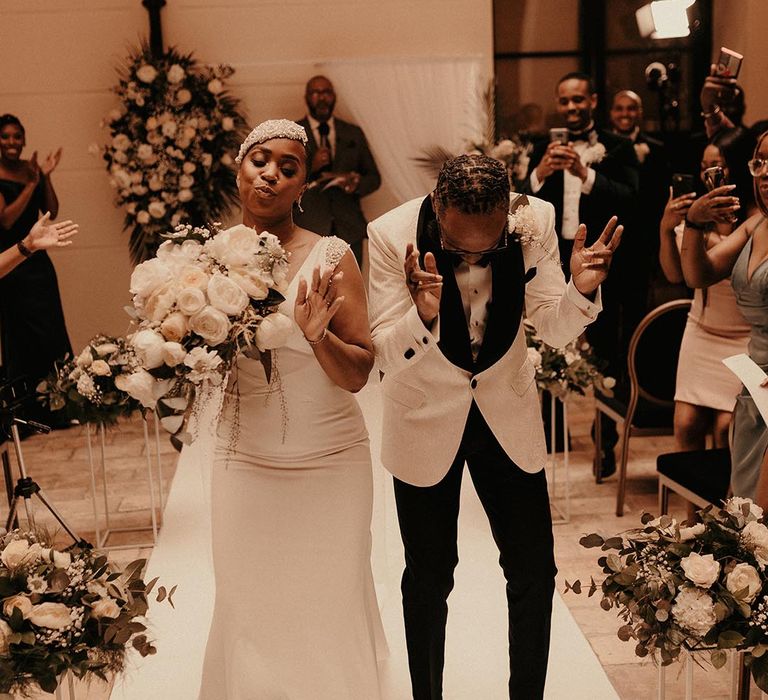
[
  {"x": 315, "y": 308},
  {"x": 425, "y": 286},
  {"x": 589, "y": 265}
]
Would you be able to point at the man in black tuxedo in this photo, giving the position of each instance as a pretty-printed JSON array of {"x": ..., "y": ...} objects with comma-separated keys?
[
  {"x": 589, "y": 179},
  {"x": 341, "y": 170}
]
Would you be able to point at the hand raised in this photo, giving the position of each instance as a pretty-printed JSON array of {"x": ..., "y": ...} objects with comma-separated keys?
[
  {"x": 425, "y": 286},
  {"x": 316, "y": 306},
  {"x": 50, "y": 162},
  {"x": 589, "y": 265},
  {"x": 44, "y": 234},
  {"x": 676, "y": 209},
  {"x": 719, "y": 206}
]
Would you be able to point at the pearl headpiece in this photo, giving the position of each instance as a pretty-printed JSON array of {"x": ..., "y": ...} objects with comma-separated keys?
[{"x": 272, "y": 129}]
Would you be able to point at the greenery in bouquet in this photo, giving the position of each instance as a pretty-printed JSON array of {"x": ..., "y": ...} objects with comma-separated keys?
[
  {"x": 67, "y": 611},
  {"x": 206, "y": 296},
  {"x": 573, "y": 368},
  {"x": 169, "y": 155},
  {"x": 86, "y": 389},
  {"x": 690, "y": 586}
]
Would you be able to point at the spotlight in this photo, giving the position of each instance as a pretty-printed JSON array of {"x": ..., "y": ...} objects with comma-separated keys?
[{"x": 664, "y": 19}]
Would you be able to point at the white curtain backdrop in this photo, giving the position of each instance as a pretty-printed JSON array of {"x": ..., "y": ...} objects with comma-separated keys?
[{"x": 407, "y": 104}]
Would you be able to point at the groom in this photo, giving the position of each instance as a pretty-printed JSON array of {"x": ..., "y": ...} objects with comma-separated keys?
[{"x": 450, "y": 281}]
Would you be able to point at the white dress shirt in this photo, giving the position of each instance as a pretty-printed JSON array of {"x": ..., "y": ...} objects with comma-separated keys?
[
  {"x": 314, "y": 125},
  {"x": 474, "y": 282}
]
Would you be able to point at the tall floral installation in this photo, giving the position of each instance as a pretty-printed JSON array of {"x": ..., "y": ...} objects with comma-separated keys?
[
  {"x": 699, "y": 586},
  {"x": 171, "y": 138}
]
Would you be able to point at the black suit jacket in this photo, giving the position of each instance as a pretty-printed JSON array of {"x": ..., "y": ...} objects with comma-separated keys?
[
  {"x": 614, "y": 191},
  {"x": 333, "y": 211}
]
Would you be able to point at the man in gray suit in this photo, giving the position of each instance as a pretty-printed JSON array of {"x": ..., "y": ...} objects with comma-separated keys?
[{"x": 341, "y": 170}]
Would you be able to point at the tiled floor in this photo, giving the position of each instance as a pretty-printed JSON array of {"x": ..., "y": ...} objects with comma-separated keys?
[{"x": 59, "y": 462}]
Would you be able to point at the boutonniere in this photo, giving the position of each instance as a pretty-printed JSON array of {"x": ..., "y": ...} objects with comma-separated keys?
[
  {"x": 641, "y": 151},
  {"x": 524, "y": 227},
  {"x": 594, "y": 152}
]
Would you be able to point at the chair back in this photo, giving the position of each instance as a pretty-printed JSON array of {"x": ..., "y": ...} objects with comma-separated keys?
[{"x": 653, "y": 354}]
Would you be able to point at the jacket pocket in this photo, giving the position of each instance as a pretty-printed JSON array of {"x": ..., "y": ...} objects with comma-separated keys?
[
  {"x": 523, "y": 378},
  {"x": 405, "y": 394}
]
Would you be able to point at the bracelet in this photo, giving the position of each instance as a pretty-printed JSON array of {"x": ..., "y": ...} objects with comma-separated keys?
[
  {"x": 715, "y": 111},
  {"x": 26, "y": 252},
  {"x": 691, "y": 224},
  {"x": 319, "y": 340}
]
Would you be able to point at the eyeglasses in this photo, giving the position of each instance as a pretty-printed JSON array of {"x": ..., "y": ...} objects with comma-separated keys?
[
  {"x": 501, "y": 244},
  {"x": 757, "y": 166}
]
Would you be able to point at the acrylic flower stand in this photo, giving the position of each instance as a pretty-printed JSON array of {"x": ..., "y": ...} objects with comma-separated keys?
[
  {"x": 560, "y": 503},
  {"x": 96, "y": 433}
]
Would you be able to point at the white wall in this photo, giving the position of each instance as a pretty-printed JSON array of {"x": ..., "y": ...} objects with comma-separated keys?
[{"x": 58, "y": 76}]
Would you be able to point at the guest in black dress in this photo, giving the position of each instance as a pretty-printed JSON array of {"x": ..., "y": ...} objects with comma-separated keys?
[{"x": 32, "y": 325}]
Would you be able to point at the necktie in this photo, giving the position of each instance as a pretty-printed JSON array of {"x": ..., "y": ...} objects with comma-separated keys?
[{"x": 323, "y": 129}]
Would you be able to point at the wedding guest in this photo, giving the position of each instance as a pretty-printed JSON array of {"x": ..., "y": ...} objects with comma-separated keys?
[
  {"x": 742, "y": 256},
  {"x": 341, "y": 171},
  {"x": 42, "y": 236},
  {"x": 589, "y": 179},
  {"x": 705, "y": 391},
  {"x": 448, "y": 287},
  {"x": 34, "y": 334}
]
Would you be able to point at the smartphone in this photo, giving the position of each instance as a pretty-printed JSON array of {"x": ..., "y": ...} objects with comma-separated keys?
[
  {"x": 714, "y": 177},
  {"x": 559, "y": 135},
  {"x": 682, "y": 183},
  {"x": 728, "y": 63}
]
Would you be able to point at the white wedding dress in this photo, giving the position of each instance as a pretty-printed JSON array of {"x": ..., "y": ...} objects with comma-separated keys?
[{"x": 295, "y": 615}]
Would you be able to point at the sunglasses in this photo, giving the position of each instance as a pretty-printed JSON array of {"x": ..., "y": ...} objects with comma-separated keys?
[
  {"x": 757, "y": 166},
  {"x": 501, "y": 245}
]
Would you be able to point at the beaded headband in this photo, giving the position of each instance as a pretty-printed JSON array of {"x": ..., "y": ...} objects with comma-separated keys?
[{"x": 272, "y": 129}]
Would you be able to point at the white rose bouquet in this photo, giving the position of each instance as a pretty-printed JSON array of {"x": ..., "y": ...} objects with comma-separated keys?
[
  {"x": 85, "y": 388},
  {"x": 206, "y": 296},
  {"x": 699, "y": 586},
  {"x": 574, "y": 368},
  {"x": 67, "y": 611},
  {"x": 169, "y": 151}
]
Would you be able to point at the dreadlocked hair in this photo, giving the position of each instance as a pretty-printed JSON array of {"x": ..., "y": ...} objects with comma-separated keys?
[{"x": 473, "y": 184}]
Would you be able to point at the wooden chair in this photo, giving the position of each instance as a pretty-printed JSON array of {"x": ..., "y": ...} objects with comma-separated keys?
[
  {"x": 699, "y": 476},
  {"x": 652, "y": 368}
]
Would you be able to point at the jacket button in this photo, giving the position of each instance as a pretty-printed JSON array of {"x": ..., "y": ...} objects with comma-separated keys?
[
  {"x": 473, "y": 384},
  {"x": 425, "y": 340},
  {"x": 409, "y": 353}
]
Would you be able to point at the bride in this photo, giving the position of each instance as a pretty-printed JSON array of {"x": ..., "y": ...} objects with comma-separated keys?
[{"x": 295, "y": 614}]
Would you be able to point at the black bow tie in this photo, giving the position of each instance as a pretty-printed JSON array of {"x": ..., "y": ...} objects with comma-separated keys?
[{"x": 580, "y": 135}]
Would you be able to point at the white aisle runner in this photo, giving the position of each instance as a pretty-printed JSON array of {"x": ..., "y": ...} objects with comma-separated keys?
[{"x": 476, "y": 644}]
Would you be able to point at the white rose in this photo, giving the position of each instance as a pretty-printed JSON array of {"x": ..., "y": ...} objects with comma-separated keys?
[
  {"x": 211, "y": 325},
  {"x": 689, "y": 533},
  {"x": 97, "y": 587},
  {"x": 104, "y": 349},
  {"x": 22, "y": 602},
  {"x": 85, "y": 358},
  {"x": 755, "y": 539},
  {"x": 189, "y": 132},
  {"x": 144, "y": 151},
  {"x": 183, "y": 96},
  {"x": 744, "y": 576},
  {"x": 122, "y": 177},
  {"x": 140, "y": 385},
  {"x": 105, "y": 607},
  {"x": 101, "y": 368},
  {"x": 190, "y": 300},
  {"x": 734, "y": 507},
  {"x": 177, "y": 256},
  {"x": 148, "y": 345},
  {"x": 146, "y": 73},
  {"x": 534, "y": 357},
  {"x": 250, "y": 282},
  {"x": 54, "y": 616},
  {"x": 273, "y": 331},
  {"x": 174, "y": 327},
  {"x": 185, "y": 195},
  {"x": 152, "y": 123},
  {"x": 85, "y": 385},
  {"x": 189, "y": 168},
  {"x": 169, "y": 129},
  {"x": 226, "y": 159},
  {"x": 609, "y": 382},
  {"x": 193, "y": 276},
  {"x": 173, "y": 353},
  {"x": 203, "y": 364},
  {"x": 694, "y": 610},
  {"x": 5, "y": 638},
  {"x": 207, "y": 160},
  {"x": 234, "y": 247},
  {"x": 226, "y": 295},
  {"x": 186, "y": 181},
  {"x": 175, "y": 74},
  {"x": 227, "y": 124},
  {"x": 703, "y": 570},
  {"x": 155, "y": 183},
  {"x": 139, "y": 190},
  {"x": 121, "y": 142},
  {"x": 160, "y": 302},
  {"x": 61, "y": 560},
  {"x": 149, "y": 276},
  {"x": 215, "y": 86},
  {"x": 157, "y": 209}
]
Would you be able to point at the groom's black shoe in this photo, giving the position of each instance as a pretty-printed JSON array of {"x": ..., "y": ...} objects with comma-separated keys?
[{"x": 606, "y": 467}]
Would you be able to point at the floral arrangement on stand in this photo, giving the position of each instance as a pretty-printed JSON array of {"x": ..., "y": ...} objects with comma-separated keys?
[
  {"x": 574, "y": 368},
  {"x": 207, "y": 296},
  {"x": 690, "y": 586},
  {"x": 67, "y": 611},
  {"x": 511, "y": 151},
  {"x": 86, "y": 388},
  {"x": 169, "y": 155}
]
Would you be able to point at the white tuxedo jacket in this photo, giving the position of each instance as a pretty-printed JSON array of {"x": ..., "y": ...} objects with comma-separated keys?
[{"x": 426, "y": 397}]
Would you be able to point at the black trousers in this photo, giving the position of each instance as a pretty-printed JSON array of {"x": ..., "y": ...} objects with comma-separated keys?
[{"x": 517, "y": 506}]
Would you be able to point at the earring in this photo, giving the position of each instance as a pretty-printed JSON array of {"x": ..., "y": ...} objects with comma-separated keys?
[
  {"x": 237, "y": 180},
  {"x": 298, "y": 205}
]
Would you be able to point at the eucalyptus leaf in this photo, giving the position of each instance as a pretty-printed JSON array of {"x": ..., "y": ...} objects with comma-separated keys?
[
  {"x": 718, "y": 658},
  {"x": 593, "y": 540}
]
